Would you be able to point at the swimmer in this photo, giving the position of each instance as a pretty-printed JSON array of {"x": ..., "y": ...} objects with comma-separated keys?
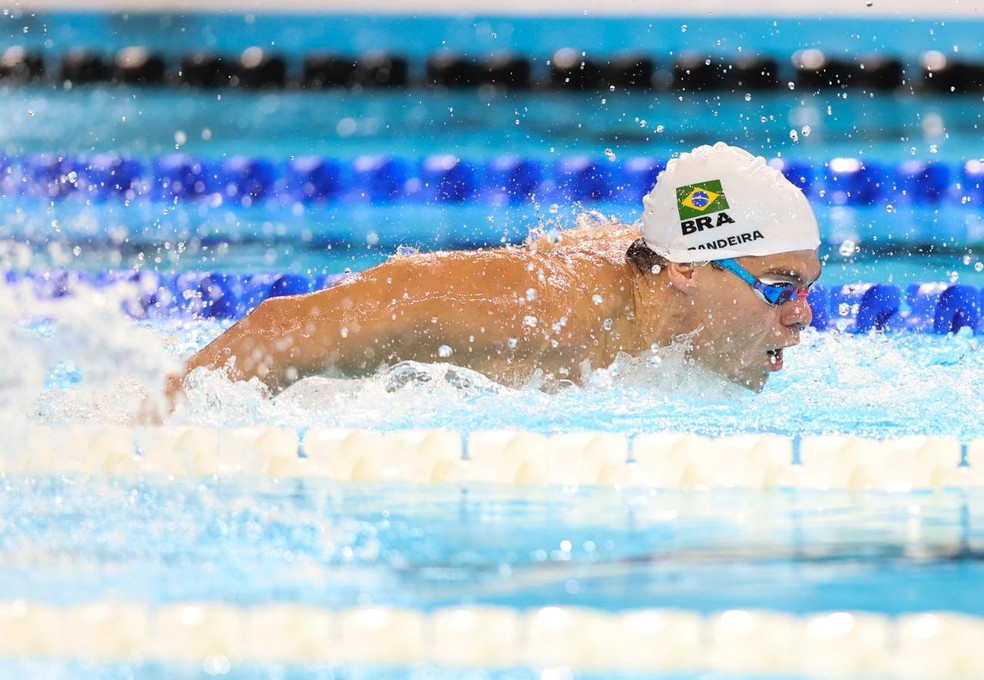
[{"x": 725, "y": 256}]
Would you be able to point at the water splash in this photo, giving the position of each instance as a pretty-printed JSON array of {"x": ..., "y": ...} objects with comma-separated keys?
[
  {"x": 80, "y": 360},
  {"x": 79, "y": 357}
]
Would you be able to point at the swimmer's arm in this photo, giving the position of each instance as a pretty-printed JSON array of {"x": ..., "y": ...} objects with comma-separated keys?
[{"x": 396, "y": 311}]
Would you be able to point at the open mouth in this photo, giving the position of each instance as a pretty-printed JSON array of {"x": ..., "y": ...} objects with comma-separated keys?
[{"x": 775, "y": 358}]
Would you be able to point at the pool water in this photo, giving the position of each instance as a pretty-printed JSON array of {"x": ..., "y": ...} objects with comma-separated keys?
[{"x": 67, "y": 539}]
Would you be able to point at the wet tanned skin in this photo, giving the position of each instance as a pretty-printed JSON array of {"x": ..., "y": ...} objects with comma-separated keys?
[
  {"x": 509, "y": 312},
  {"x": 504, "y": 312}
]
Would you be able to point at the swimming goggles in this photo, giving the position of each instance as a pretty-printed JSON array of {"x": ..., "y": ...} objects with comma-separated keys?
[{"x": 773, "y": 293}]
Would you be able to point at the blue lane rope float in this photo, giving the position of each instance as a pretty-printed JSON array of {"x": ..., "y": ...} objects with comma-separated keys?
[
  {"x": 939, "y": 308},
  {"x": 566, "y": 69},
  {"x": 449, "y": 179}
]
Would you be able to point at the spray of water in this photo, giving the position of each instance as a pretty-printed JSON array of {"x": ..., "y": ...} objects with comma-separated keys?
[{"x": 78, "y": 358}]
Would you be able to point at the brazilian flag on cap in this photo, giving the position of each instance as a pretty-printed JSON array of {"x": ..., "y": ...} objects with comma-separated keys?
[{"x": 695, "y": 200}]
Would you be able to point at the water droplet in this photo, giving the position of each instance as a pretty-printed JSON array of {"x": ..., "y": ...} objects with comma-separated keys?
[
  {"x": 444, "y": 351},
  {"x": 655, "y": 360},
  {"x": 934, "y": 148},
  {"x": 607, "y": 324},
  {"x": 610, "y": 155},
  {"x": 979, "y": 267},
  {"x": 512, "y": 342},
  {"x": 791, "y": 85},
  {"x": 683, "y": 28},
  {"x": 793, "y": 135},
  {"x": 343, "y": 331},
  {"x": 656, "y": 269},
  {"x": 180, "y": 137},
  {"x": 748, "y": 96},
  {"x": 597, "y": 299},
  {"x": 30, "y": 112},
  {"x": 530, "y": 321},
  {"x": 954, "y": 276},
  {"x": 844, "y": 309},
  {"x": 806, "y": 131},
  {"x": 531, "y": 294},
  {"x": 889, "y": 208},
  {"x": 660, "y": 128},
  {"x": 966, "y": 259},
  {"x": 847, "y": 248}
]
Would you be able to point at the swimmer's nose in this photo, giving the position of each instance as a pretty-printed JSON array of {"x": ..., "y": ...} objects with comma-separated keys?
[{"x": 796, "y": 312}]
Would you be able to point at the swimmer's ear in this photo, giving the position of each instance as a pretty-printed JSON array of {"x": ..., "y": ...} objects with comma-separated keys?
[{"x": 681, "y": 276}]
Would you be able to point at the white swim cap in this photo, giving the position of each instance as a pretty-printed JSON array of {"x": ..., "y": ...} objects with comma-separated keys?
[{"x": 721, "y": 201}]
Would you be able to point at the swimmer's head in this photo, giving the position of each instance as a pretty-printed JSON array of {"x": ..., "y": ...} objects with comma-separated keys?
[
  {"x": 720, "y": 202},
  {"x": 735, "y": 246}
]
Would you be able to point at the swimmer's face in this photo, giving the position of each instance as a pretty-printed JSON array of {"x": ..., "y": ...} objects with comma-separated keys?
[{"x": 742, "y": 337}]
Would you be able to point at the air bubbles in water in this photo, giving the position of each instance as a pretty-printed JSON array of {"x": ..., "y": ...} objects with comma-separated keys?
[
  {"x": 806, "y": 131},
  {"x": 444, "y": 351},
  {"x": 954, "y": 276},
  {"x": 607, "y": 324},
  {"x": 848, "y": 248},
  {"x": 889, "y": 208},
  {"x": 597, "y": 299},
  {"x": 748, "y": 96},
  {"x": 979, "y": 267},
  {"x": 793, "y": 135},
  {"x": 530, "y": 321},
  {"x": 610, "y": 155},
  {"x": 656, "y": 269},
  {"x": 511, "y": 343},
  {"x": 530, "y": 294}
]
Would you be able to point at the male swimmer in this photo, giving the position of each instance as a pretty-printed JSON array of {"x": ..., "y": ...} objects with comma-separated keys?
[{"x": 726, "y": 255}]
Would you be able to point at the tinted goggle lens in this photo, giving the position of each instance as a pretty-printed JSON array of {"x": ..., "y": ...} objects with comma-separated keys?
[{"x": 779, "y": 293}]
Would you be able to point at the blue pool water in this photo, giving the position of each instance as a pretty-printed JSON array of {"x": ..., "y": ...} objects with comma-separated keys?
[{"x": 69, "y": 539}]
